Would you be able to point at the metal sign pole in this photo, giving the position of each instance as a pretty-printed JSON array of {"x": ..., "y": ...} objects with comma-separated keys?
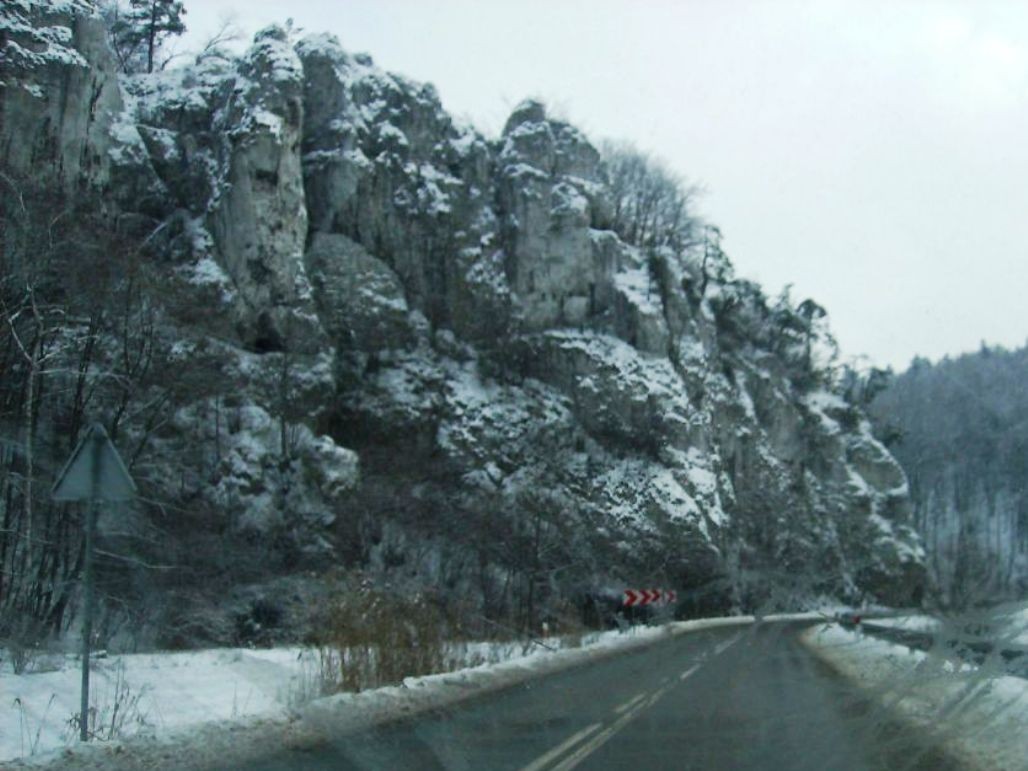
[
  {"x": 94, "y": 473},
  {"x": 87, "y": 621},
  {"x": 87, "y": 584}
]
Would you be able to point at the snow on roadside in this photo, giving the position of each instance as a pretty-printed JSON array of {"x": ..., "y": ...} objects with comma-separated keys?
[
  {"x": 168, "y": 697},
  {"x": 977, "y": 713},
  {"x": 1012, "y": 624},
  {"x": 917, "y": 623},
  {"x": 1004, "y": 626},
  {"x": 155, "y": 692}
]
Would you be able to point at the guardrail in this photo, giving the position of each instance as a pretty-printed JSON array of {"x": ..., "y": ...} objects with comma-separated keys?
[{"x": 969, "y": 648}]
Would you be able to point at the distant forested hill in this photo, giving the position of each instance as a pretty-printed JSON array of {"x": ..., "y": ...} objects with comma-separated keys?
[{"x": 960, "y": 430}]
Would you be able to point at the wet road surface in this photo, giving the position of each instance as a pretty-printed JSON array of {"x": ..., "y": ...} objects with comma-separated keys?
[{"x": 730, "y": 698}]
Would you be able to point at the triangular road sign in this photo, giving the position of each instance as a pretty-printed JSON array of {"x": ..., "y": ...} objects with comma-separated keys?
[{"x": 94, "y": 471}]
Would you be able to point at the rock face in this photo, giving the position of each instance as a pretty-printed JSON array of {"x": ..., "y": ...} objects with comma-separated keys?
[
  {"x": 460, "y": 313},
  {"x": 360, "y": 300},
  {"x": 59, "y": 94}
]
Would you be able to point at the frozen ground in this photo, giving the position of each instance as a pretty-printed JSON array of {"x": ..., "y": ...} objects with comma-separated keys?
[
  {"x": 977, "y": 713},
  {"x": 187, "y": 708}
]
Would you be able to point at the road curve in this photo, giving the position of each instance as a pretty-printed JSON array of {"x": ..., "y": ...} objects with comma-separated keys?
[{"x": 725, "y": 698}]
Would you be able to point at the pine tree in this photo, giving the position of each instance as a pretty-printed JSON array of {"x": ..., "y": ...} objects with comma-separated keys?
[{"x": 139, "y": 30}]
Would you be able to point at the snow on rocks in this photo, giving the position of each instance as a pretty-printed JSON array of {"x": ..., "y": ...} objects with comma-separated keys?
[
  {"x": 59, "y": 92},
  {"x": 617, "y": 388}
]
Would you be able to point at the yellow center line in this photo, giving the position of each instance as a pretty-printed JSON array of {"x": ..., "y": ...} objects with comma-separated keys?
[
  {"x": 607, "y": 734},
  {"x": 725, "y": 645},
  {"x": 629, "y": 703},
  {"x": 541, "y": 762},
  {"x": 689, "y": 671},
  {"x": 630, "y": 708}
]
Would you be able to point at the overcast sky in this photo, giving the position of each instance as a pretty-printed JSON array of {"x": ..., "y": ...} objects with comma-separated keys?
[{"x": 874, "y": 155}]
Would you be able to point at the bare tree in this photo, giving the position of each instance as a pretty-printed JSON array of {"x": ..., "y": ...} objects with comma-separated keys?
[
  {"x": 216, "y": 46},
  {"x": 652, "y": 205}
]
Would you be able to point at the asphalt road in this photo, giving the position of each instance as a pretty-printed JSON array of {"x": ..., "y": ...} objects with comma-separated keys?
[{"x": 753, "y": 698}]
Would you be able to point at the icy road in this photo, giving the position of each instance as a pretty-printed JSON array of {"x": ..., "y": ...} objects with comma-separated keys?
[{"x": 754, "y": 698}]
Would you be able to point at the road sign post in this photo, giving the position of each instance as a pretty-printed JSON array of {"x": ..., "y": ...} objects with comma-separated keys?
[
  {"x": 87, "y": 618},
  {"x": 93, "y": 473}
]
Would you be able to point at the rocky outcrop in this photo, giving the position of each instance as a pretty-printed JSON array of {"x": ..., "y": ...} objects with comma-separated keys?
[
  {"x": 549, "y": 189},
  {"x": 59, "y": 97},
  {"x": 461, "y": 314},
  {"x": 385, "y": 166},
  {"x": 258, "y": 217},
  {"x": 360, "y": 300}
]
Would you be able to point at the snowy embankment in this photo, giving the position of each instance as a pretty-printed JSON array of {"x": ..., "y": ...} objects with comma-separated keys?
[
  {"x": 195, "y": 708},
  {"x": 914, "y": 623},
  {"x": 976, "y": 712}
]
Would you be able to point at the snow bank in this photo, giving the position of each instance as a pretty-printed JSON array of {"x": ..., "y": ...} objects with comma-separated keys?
[
  {"x": 915, "y": 623},
  {"x": 977, "y": 714},
  {"x": 1005, "y": 627},
  {"x": 1012, "y": 624}
]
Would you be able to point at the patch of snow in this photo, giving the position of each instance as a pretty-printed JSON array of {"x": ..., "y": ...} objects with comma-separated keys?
[
  {"x": 631, "y": 370},
  {"x": 821, "y": 401},
  {"x": 206, "y": 272},
  {"x": 488, "y": 271},
  {"x": 744, "y": 396},
  {"x": 639, "y": 289},
  {"x": 388, "y": 131},
  {"x": 520, "y": 171},
  {"x": 465, "y": 140},
  {"x": 916, "y": 623}
]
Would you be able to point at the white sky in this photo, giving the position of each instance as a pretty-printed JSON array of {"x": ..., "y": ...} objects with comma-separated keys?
[{"x": 873, "y": 154}]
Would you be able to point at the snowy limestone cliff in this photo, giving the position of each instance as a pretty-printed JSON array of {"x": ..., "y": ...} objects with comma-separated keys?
[{"x": 538, "y": 408}]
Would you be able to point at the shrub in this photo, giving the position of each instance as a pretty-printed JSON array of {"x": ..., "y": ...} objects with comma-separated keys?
[
  {"x": 20, "y": 643},
  {"x": 380, "y": 638}
]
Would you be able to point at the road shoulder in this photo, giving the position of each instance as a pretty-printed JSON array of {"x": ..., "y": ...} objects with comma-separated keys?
[{"x": 977, "y": 716}]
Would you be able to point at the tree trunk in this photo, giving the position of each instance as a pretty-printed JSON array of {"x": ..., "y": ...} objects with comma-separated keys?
[{"x": 151, "y": 42}]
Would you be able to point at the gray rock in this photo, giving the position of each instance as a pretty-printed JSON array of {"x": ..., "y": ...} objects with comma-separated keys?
[
  {"x": 259, "y": 218},
  {"x": 360, "y": 299},
  {"x": 59, "y": 103}
]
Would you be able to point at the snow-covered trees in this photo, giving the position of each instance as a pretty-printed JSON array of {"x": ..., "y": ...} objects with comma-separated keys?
[
  {"x": 140, "y": 28},
  {"x": 960, "y": 429},
  {"x": 79, "y": 340}
]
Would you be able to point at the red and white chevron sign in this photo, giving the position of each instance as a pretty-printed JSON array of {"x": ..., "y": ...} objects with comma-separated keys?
[{"x": 649, "y": 597}]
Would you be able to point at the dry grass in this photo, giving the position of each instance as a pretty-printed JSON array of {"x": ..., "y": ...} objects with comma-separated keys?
[
  {"x": 120, "y": 714},
  {"x": 369, "y": 638}
]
